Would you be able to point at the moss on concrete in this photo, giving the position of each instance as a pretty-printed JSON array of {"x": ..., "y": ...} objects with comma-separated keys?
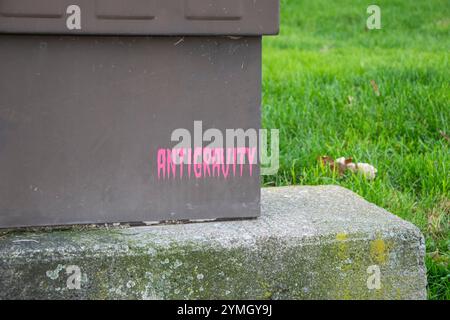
[{"x": 283, "y": 255}]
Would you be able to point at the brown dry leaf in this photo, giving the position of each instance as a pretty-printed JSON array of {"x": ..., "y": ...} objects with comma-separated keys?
[
  {"x": 340, "y": 164},
  {"x": 444, "y": 135},
  {"x": 327, "y": 160},
  {"x": 438, "y": 218},
  {"x": 375, "y": 88},
  {"x": 438, "y": 258},
  {"x": 343, "y": 164}
]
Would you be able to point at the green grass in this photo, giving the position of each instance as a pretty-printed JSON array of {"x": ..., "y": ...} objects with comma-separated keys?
[{"x": 325, "y": 57}]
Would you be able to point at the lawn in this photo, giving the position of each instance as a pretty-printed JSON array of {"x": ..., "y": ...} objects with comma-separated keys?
[{"x": 320, "y": 80}]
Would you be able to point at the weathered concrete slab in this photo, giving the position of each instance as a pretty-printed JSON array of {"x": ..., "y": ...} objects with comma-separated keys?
[{"x": 310, "y": 243}]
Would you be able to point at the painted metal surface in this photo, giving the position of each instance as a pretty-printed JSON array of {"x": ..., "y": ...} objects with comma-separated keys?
[
  {"x": 140, "y": 17},
  {"x": 82, "y": 120}
]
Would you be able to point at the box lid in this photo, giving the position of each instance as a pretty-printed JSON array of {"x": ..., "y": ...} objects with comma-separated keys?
[{"x": 140, "y": 17}]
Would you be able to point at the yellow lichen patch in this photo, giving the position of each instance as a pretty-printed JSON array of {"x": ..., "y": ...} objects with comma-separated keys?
[
  {"x": 399, "y": 294},
  {"x": 342, "y": 246},
  {"x": 378, "y": 251},
  {"x": 346, "y": 295},
  {"x": 341, "y": 236}
]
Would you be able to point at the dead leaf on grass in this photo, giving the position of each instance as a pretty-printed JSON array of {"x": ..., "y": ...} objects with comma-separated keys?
[
  {"x": 343, "y": 164},
  {"x": 375, "y": 88}
]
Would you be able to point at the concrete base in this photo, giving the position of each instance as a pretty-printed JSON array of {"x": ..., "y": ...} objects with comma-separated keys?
[{"x": 310, "y": 243}]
